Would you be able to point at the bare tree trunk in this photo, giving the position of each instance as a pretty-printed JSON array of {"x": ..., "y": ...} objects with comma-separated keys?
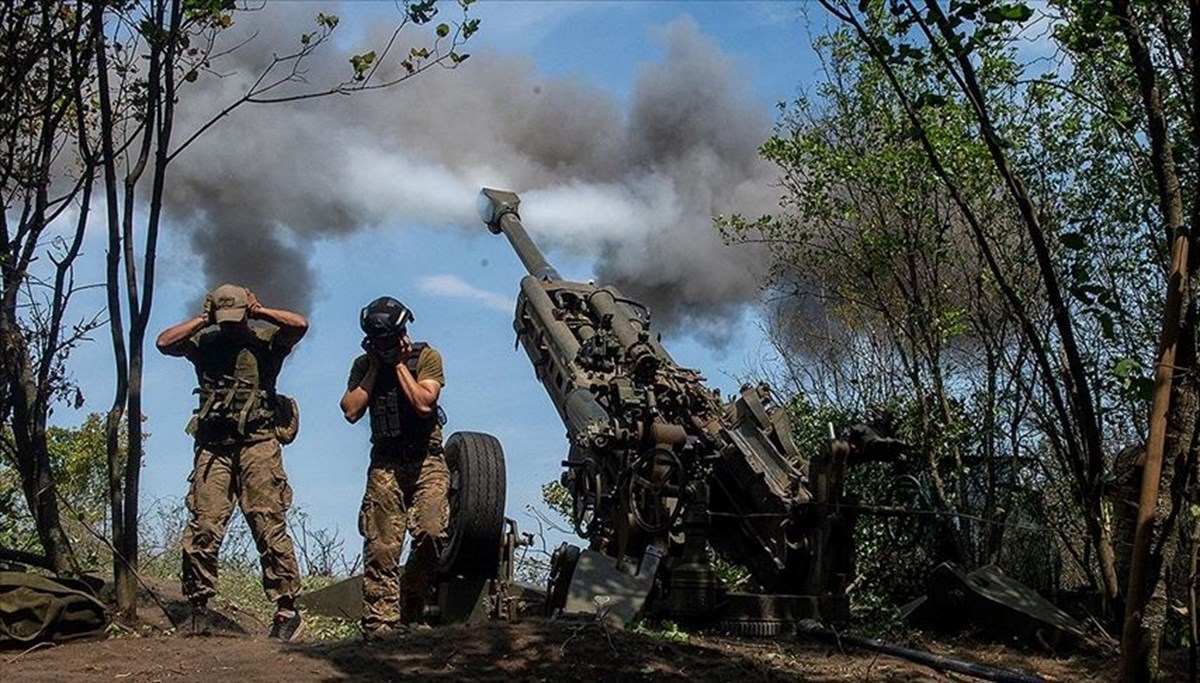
[
  {"x": 1193, "y": 617},
  {"x": 1139, "y": 641},
  {"x": 124, "y": 579},
  {"x": 1178, "y": 463},
  {"x": 33, "y": 458}
]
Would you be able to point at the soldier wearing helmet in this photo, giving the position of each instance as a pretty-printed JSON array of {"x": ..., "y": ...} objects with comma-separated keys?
[
  {"x": 398, "y": 382},
  {"x": 238, "y": 455}
]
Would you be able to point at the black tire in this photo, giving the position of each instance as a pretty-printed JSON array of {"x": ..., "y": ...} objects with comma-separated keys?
[{"x": 477, "y": 483}]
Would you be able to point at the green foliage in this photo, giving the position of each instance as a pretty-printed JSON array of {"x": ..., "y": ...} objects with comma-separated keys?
[
  {"x": 17, "y": 532},
  {"x": 78, "y": 462},
  {"x": 469, "y": 28},
  {"x": 361, "y": 63},
  {"x": 1014, "y": 12},
  {"x": 733, "y": 576},
  {"x": 239, "y": 586},
  {"x": 422, "y": 11},
  {"x": 901, "y": 262},
  {"x": 661, "y": 630},
  {"x": 558, "y": 498},
  {"x": 212, "y": 13}
]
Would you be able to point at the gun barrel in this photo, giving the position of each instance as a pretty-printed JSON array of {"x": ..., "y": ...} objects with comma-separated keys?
[{"x": 498, "y": 209}]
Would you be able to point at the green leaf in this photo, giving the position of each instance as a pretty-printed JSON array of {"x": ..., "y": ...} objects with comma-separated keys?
[
  {"x": 930, "y": 99},
  {"x": 422, "y": 12},
  {"x": 1018, "y": 12},
  {"x": 1125, "y": 367},
  {"x": 1142, "y": 387},
  {"x": 469, "y": 28},
  {"x": 1072, "y": 240},
  {"x": 360, "y": 64},
  {"x": 908, "y": 52}
]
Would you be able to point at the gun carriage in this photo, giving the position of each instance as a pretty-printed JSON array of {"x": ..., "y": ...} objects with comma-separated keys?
[{"x": 661, "y": 470}]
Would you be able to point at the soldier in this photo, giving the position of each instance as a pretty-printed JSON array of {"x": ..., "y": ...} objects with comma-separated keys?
[
  {"x": 398, "y": 382},
  {"x": 237, "y": 453}
]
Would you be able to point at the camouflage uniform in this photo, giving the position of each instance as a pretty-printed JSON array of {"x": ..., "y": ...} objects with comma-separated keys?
[
  {"x": 237, "y": 459},
  {"x": 407, "y": 488}
]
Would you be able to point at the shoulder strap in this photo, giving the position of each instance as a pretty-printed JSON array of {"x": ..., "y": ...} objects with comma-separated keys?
[{"x": 414, "y": 358}]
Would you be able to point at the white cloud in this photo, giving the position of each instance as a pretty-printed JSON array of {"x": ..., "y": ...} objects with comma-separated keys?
[{"x": 453, "y": 287}]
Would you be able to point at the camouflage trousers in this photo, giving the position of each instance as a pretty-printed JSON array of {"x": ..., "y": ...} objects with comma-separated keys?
[
  {"x": 253, "y": 476},
  {"x": 408, "y": 494}
]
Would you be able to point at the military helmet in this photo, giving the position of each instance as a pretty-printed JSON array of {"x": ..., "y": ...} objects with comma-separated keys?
[{"x": 384, "y": 316}]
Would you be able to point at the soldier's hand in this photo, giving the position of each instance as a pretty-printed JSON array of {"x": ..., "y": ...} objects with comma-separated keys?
[
  {"x": 253, "y": 305},
  {"x": 373, "y": 366},
  {"x": 208, "y": 311},
  {"x": 404, "y": 350}
]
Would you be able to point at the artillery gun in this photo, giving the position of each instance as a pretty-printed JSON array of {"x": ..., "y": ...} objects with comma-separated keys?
[{"x": 661, "y": 470}]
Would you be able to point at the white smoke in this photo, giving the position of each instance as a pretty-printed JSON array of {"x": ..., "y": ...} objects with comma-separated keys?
[
  {"x": 635, "y": 191},
  {"x": 452, "y": 286}
]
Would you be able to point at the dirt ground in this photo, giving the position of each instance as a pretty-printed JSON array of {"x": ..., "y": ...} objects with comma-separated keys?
[
  {"x": 532, "y": 649},
  {"x": 529, "y": 650}
]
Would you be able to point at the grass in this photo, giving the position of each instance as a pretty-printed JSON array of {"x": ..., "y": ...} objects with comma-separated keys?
[{"x": 239, "y": 584}]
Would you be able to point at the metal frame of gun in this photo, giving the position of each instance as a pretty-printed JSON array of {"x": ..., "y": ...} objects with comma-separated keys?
[{"x": 658, "y": 461}]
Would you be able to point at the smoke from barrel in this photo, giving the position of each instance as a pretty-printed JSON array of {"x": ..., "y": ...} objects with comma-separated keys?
[{"x": 635, "y": 190}]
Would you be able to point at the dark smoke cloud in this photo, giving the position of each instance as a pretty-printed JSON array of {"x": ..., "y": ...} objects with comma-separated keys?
[{"x": 636, "y": 191}]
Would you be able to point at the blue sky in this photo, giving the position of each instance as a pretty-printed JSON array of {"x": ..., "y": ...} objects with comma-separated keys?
[{"x": 459, "y": 279}]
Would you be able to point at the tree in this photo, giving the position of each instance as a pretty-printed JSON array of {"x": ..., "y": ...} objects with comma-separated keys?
[
  {"x": 1128, "y": 92},
  {"x": 90, "y": 92},
  {"x": 917, "y": 197},
  {"x": 45, "y": 107},
  {"x": 78, "y": 465},
  {"x": 877, "y": 283},
  {"x": 147, "y": 54}
]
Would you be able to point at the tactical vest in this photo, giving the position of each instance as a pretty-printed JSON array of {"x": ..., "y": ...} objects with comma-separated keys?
[
  {"x": 392, "y": 416},
  {"x": 236, "y": 391}
]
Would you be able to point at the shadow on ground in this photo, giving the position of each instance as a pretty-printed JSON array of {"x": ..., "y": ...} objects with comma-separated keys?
[{"x": 544, "y": 650}]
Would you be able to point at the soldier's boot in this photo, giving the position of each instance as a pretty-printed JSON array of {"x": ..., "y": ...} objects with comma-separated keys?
[
  {"x": 201, "y": 618},
  {"x": 287, "y": 624}
]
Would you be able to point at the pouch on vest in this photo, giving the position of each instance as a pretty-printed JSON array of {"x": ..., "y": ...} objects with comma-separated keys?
[
  {"x": 35, "y": 608},
  {"x": 231, "y": 409},
  {"x": 287, "y": 418}
]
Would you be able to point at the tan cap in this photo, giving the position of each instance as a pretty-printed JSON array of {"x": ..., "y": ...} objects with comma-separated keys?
[{"x": 229, "y": 303}]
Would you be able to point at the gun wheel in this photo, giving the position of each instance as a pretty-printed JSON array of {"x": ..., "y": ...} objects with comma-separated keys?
[
  {"x": 477, "y": 489},
  {"x": 655, "y": 487}
]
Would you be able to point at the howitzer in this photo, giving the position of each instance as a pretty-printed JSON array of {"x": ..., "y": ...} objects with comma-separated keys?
[{"x": 660, "y": 469}]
